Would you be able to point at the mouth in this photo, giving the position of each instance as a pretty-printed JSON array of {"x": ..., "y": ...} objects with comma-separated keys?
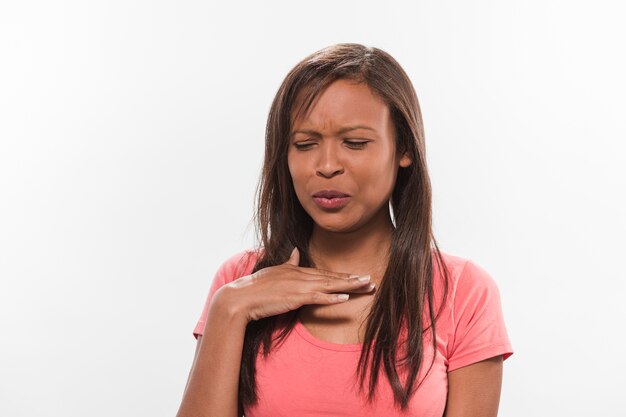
[
  {"x": 331, "y": 199},
  {"x": 329, "y": 194}
]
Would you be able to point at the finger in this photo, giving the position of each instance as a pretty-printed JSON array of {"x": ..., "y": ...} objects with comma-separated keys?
[
  {"x": 364, "y": 290},
  {"x": 294, "y": 258},
  {"x": 323, "y": 298},
  {"x": 331, "y": 284},
  {"x": 312, "y": 276},
  {"x": 326, "y": 273}
]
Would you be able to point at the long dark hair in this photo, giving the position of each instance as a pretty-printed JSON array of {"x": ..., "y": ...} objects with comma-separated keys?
[{"x": 282, "y": 223}]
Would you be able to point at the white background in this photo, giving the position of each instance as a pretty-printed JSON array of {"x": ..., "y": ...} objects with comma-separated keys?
[{"x": 132, "y": 135}]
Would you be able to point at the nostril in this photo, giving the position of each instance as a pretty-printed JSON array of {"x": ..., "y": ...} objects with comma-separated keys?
[{"x": 332, "y": 174}]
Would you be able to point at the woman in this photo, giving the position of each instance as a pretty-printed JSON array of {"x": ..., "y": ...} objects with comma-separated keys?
[{"x": 348, "y": 308}]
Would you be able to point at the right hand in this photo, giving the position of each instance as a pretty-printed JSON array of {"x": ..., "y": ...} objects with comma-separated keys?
[{"x": 282, "y": 288}]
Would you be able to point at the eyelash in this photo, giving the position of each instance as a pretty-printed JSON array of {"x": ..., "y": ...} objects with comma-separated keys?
[{"x": 354, "y": 144}]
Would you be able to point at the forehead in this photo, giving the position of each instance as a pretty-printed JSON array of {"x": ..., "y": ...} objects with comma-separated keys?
[{"x": 342, "y": 103}]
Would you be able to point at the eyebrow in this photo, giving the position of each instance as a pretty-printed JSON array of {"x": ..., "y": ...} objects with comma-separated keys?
[{"x": 339, "y": 131}]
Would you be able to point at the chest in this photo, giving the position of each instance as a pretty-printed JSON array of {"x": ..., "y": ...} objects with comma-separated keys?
[
  {"x": 306, "y": 376},
  {"x": 342, "y": 323}
]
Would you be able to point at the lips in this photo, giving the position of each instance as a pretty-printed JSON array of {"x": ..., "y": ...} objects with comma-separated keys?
[
  {"x": 331, "y": 199},
  {"x": 330, "y": 194}
]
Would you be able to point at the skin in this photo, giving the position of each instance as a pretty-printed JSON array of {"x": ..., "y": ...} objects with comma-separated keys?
[
  {"x": 362, "y": 163},
  {"x": 352, "y": 240},
  {"x": 214, "y": 377},
  {"x": 474, "y": 390}
]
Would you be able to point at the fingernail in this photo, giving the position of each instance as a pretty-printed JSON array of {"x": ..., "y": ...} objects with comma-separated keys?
[
  {"x": 364, "y": 278},
  {"x": 342, "y": 297}
]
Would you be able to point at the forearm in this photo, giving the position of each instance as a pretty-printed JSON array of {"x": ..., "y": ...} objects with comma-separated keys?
[{"x": 214, "y": 378}]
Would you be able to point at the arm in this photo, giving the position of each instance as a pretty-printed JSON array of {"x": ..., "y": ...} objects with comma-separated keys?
[
  {"x": 195, "y": 357},
  {"x": 213, "y": 384},
  {"x": 474, "y": 390}
]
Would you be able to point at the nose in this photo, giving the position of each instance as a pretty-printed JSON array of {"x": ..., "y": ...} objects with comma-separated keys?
[{"x": 329, "y": 164}]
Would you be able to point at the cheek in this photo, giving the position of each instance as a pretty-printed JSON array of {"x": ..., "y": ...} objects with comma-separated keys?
[
  {"x": 377, "y": 183},
  {"x": 297, "y": 178},
  {"x": 293, "y": 171}
]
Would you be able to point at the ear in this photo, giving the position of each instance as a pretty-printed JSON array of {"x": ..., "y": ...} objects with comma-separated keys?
[{"x": 405, "y": 161}]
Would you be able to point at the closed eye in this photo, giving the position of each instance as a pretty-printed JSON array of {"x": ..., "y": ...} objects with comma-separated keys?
[
  {"x": 303, "y": 146},
  {"x": 350, "y": 143},
  {"x": 356, "y": 144}
]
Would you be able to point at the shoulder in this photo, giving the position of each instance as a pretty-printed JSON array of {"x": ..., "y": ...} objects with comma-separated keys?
[
  {"x": 463, "y": 273},
  {"x": 238, "y": 264},
  {"x": 475, "y": 321}
]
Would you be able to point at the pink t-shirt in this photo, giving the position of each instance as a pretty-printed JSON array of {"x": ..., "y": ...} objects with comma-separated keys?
[{"x": 306, "y": 376}]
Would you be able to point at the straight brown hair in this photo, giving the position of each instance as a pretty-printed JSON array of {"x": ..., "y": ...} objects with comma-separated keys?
[{"x": 282, "y": 223}]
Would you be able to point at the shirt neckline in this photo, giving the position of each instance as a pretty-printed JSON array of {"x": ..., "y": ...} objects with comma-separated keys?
[{"x": 340, "y": 347}]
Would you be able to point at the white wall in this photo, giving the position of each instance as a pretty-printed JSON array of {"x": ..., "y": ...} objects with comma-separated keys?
[{"x": 131, "y": 142}]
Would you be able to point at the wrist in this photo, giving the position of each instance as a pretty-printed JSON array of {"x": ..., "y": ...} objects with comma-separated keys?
[{"x": 228, "y": 305}]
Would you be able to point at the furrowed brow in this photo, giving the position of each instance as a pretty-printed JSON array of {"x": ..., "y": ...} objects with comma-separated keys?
[
  {"x": 349, "y": 128},
  {"x": 339, "y": 131}
]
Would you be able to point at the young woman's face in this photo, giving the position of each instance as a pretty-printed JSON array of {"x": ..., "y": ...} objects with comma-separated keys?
[{"x": 326, "y": 152}]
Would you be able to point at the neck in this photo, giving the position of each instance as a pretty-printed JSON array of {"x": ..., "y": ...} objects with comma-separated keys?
[{"x": 362, "y": 251}]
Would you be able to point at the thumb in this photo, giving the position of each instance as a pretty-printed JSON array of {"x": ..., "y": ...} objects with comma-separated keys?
[{"x": 294, "y": 258}]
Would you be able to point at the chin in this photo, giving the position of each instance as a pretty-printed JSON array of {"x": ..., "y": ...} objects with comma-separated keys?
[{"x": 336, "y": 226}]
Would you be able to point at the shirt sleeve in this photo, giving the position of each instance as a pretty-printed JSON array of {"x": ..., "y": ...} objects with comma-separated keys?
[
  {"x": 234, "y": 267},
  {"x": 479, "y": 329}
]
